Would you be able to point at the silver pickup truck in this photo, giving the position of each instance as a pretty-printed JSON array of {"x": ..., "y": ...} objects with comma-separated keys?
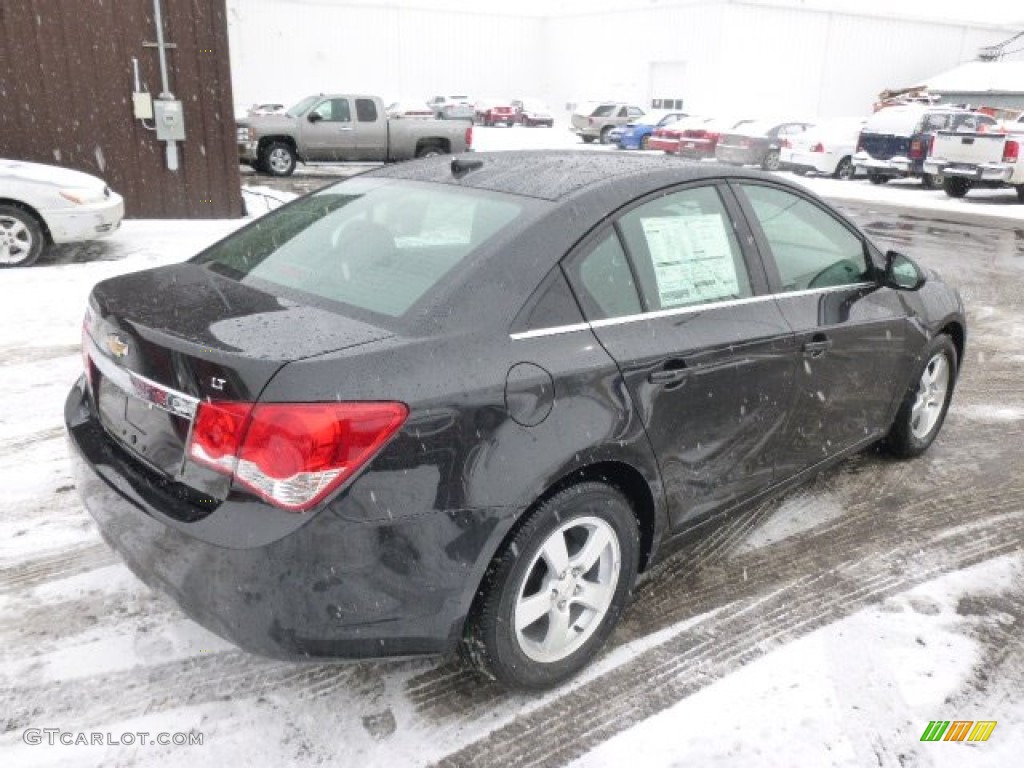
[
  {"x": 978, "y": 159},
  {"x": 343, "y": 127}
]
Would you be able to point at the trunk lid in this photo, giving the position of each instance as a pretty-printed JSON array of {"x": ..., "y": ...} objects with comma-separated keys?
[{"x": 164, "y": 340}]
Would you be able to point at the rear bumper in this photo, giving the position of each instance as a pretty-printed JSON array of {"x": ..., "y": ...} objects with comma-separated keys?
[
  {"x": 893, "y": 166},
  {"x": 85, "y": 222},
  {"x": 739, "y": 155},
  {"x": 696, "y": 148},
  {"x": 813, "y": 161},
  {"x": 665, "y": 145},
  {"x": 1001, "y": 172},
  {"x": 330, "y": 587}
]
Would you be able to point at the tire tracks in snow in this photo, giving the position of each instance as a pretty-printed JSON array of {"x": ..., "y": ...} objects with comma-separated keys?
[{"x": 681, "y": 666}]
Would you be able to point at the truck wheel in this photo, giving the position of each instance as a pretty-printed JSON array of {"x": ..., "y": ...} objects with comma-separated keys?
[
  {"x": 1020, "y": 193},
  {"x": 21, "y": 237},
  {"x": 956, "y": 187},
  {"x": 587, "y": 139},
  {"x": 844, "y": 170},
  {"x": 278, "y": 159},
  {"x": 429, "y": 150},
  {"x": 604, "y": 134},
  {"x": 932, "y": 181},
  {"x": 877, "y": 178}
]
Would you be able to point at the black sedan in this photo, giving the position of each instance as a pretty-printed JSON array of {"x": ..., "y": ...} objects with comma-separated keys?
[{"x": 463, "y": 404}]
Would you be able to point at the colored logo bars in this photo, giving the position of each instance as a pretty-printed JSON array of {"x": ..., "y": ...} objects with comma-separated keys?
[{"x": 958, "y": 730}]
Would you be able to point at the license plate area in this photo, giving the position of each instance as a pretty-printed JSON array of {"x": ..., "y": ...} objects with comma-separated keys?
[{"x": 154, "y": 435}]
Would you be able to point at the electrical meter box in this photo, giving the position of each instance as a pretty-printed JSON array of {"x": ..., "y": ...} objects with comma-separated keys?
[{"x": 170, "y": 120}]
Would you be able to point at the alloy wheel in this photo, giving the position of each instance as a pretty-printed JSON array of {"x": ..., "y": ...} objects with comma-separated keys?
[
  {"x": 931, "y": 396},
  {"x": 568, "y": 588}
]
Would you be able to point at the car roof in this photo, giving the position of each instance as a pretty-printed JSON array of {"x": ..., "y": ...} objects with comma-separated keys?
[{"x": 555, "y": 174}]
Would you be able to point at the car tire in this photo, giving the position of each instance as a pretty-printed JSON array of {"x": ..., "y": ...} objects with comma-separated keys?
[
  {"x": 1020, "y": 193},
  {"x": 588, "y": 530},
  {"x": 877, "y": 178},
  {"x": 278, "y": 159},
  {"x": 604, "y": 134},
  {"x": 21, "y": 237},
  {"x": 954, "y": 186},
  {"x": 770, "y": 162},
  {"x": 645, "y": 143},
  {"x": 429, "y": 150},
  {"x": 587, "y": 139},
  {"x": 801, "y": 171},
  {"x": 932, "y": 180},
  {"x": 845, "y": 170},
  {"x": 926, "y": 402}
]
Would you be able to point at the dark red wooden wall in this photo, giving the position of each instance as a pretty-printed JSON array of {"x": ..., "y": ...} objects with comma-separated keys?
[{"x": 65, "y": 98}]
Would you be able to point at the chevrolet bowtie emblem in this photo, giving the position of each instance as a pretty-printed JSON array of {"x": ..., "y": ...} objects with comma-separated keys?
[{"x": 117, "y": 345}]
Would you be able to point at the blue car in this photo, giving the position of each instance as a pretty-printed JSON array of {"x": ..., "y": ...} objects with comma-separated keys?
[{"x": 634, "y": 135}]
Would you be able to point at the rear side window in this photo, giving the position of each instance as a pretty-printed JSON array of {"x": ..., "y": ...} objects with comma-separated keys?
[
  {"x": 603, "y": 111},
  {"x": 685, "y": 251},
  {"x": 604, "y": 281},
  {"x": 366, "y": 111},
  {"x": 810, "y": 247},
  {"x": 372, "y": 244}
]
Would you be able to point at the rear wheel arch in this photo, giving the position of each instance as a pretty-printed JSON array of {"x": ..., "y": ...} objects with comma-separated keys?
[
  {"x": 425, "y": 145},
  {"x": 620, "y": 475}
]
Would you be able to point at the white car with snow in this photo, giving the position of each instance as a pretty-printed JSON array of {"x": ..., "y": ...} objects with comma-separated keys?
[
  {"x": 43, "y": 204},
  {"x": 827, "y": 148}
]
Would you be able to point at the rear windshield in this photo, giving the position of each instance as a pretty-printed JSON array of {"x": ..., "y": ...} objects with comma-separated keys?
[{"x": 377, "y": 245}]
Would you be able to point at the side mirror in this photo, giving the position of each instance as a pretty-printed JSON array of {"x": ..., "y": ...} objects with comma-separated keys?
[
  {"x": 902, "y": 273},
  {"x": 315, "y": 117}
]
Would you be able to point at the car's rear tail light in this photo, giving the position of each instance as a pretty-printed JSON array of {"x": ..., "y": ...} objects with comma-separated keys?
[
  {"x": 931, "y": 145},
  {"x": 819, "y": 147},
  {"x": 292, "y": 454},
  {"x": 1011, "y": 151},
  {"x": 590, "y": 121},
  {"x": 469, "y": 136},
  {"x": 916, "y": 149},
  {"x": 786, "y": 144}
]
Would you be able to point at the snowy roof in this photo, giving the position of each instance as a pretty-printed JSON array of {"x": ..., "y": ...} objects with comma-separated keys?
[{"x": 980, "y": 77}]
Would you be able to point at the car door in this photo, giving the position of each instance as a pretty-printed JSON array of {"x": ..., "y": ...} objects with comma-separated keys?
[
  {"x": 371, "y": 131},
  {"x": 702, "y": 348},
  {"x": 850, "y": 332},
  {"x": 328, "y": 133}
]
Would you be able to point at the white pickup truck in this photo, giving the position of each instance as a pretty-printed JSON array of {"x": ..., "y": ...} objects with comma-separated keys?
[{"x": 984, "y": 159}]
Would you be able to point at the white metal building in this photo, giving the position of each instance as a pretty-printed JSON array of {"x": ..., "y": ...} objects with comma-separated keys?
[{"x": 802, "y": 57}]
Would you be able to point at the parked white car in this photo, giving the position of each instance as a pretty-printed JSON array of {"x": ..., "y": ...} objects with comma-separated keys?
[
  {"x": 43, "y": 204},
  {"x": 827, "y": 148}
]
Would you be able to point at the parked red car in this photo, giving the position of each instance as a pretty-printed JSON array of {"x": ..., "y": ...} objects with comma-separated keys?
[
  {"x": 667, "y": 137},
  {"x": 699, "y": 142},
  {"x": 491, "y": 112}
]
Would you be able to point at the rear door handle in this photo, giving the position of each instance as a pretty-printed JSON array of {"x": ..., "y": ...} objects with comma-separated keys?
[{"x": 817, "y": 346}]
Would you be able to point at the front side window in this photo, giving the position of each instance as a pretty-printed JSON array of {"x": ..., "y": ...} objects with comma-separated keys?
[
  {"x": 373, "y": 244},
  {"x": 685, "y": 251},
  {"x": 334, "y": 111},
  {"x": 811, "y": 248}
]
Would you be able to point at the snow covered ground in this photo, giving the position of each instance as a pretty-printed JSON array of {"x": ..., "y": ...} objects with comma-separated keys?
[{"x": 823, "y": 629}]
